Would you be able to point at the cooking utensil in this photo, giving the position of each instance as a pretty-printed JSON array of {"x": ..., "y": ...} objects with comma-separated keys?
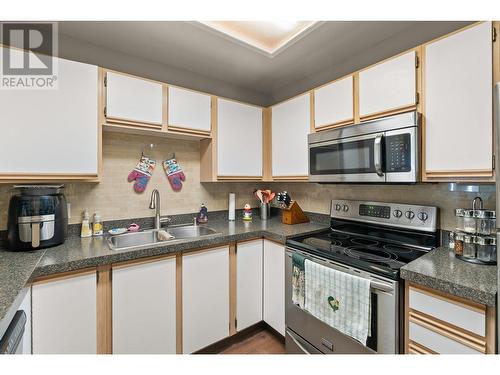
[{"x": 258, "y": 194}]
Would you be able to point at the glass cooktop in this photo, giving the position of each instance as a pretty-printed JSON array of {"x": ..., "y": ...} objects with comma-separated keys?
[{"x": 381, "y": 251}]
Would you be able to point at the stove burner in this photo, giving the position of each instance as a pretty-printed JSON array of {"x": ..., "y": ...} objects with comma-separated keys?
[
  {"x": 339, "y": 236},
  {"x": 398, "y": 249},
  {"x": 370, "y": 255},
  {"x": 364, "y": 242}
]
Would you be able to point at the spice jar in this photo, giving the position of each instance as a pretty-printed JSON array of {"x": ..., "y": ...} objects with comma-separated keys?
[
  {"x": 469, "y": 246},
  {"x": 459, "y": 244},
  {"x": 486, "y": 248},
  {"x": 469, "y": 225},
  {"x": 485, "y": 221},
  {"x": 459, "y": 218}
]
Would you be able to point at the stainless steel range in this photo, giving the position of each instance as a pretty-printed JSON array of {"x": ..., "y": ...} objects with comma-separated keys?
[{"x": 372, "y": 240}]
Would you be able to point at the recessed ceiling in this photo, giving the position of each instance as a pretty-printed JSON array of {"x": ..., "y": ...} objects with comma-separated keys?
[
  {"x": 269, "y": 37},
  {"x": 197, "y": 57}
]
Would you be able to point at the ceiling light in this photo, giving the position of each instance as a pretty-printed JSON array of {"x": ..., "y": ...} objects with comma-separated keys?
[{"x": 270, "y": 37}]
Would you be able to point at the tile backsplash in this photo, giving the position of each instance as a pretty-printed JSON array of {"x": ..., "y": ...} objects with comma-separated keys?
[{"x": 115, "y": 198}]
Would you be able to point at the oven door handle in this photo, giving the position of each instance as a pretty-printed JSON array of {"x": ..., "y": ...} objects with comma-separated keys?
[
  {"x": 374, "y": 285},
  {"x": 377, "y": 154},
  {"x": 296, "y": 342}
]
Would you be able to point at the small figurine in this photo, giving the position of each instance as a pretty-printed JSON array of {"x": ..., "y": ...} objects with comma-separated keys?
[
  {"x": 202, "y": 217},
  {"x": 247, "y": 213}
]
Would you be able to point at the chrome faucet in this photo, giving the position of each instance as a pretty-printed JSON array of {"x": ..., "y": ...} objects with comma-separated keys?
[{"x": 154, "y": 204}]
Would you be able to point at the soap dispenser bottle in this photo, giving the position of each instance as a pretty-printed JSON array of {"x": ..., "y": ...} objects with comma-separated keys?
[
  {"x": 202, "y": 217},
  {"x": 86, "y": 231}
]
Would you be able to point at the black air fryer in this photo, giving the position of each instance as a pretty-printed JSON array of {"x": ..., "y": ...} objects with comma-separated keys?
[{"x": 38, "y": 217}]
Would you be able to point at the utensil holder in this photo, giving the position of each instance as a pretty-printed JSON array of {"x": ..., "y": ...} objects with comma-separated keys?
[{"x": 265, "y": 211}]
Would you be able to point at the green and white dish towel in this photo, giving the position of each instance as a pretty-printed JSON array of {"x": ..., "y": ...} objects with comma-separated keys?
[
  {"x": 298, "y": 279},
  {"x": 339, "y": 299}
]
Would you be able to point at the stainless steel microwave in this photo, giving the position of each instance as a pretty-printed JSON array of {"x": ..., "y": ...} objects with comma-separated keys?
[{"x": 385, "y": 150}]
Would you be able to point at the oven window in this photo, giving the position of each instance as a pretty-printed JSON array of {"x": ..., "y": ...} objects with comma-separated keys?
[{"x": 342, "y": 158}]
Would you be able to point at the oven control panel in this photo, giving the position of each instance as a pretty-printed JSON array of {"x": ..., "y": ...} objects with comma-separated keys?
[
  {"x": 373, "y": 210},
  {"x": 400, "y": 215}
]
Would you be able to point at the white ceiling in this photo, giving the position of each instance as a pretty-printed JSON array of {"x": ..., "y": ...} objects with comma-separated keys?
[{"x": 330, "y": 50}]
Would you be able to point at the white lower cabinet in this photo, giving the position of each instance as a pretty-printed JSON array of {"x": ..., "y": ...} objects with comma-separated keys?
[
  {"x": 144, "y": 308},
  {"x": 64, "y": 315},
  {"x": 249, "y": 281},
  {"x": 205, "y": 298},
  {"x": 274, "y": 286}
]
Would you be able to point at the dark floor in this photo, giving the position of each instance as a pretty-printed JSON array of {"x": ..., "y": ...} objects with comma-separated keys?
[{"x": 261, "y": 342}]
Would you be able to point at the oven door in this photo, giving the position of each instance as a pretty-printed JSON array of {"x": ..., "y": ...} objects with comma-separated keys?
[
  {"x": 384, "y": 337},
  {"x": 354, "y": 159}
]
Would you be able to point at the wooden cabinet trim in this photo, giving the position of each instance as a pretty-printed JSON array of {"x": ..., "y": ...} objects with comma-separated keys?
[
  {"x": 183, "y": 129},
  {"x": 104, "y": 310},
  {"x": 394, "y": 111},
  {"x": 267, "y": 163},
  {"x": 139, "y": 261},
  {"x": 64, "y": 275},
  {"x": 462, "y": 302},
  {"x": 445, "y": 329},
  {"x": 232, "y": 289},
  {"x": 415, "y": 348},
  {"x": 335, "y": 125},
  {"x": 491, "y": 316}
]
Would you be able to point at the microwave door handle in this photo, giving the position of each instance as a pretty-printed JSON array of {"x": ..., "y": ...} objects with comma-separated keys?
[{"x": 377, "y": 154}]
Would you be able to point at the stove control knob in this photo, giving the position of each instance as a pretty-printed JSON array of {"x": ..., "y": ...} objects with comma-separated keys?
[
  {"x": 410, "y": 214},
  {"x": 423, "y": 216},
  {"x": 338, "y": 207},
  {"x": 397, "y": 213},
  {"x": 345, "y": 208}
]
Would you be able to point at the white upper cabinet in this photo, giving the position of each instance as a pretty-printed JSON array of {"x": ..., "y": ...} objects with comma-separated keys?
[
  {"x": 189, "y": 109},
  {"x": 334, "y": 103},
  {"x": 291, "y": 123},
  {"x": 64, "y": 316},
  {"x": 205, "y": 298},
  {"x": 131, "y": 99},
  {"x": 144, "y": 313},
  {"x": 389, "y": 85},
  {"x": 274, "y": 286},
  {"x": 249, "y": 279},
  {"x": 458, "y": 104},
  {"x": 239, "y": 139},
  {"x": 52, "y": 131}
]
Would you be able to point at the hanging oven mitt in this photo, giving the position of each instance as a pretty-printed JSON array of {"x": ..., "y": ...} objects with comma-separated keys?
[
  {"x": 174, "y": 173},
  {"x": 142, "y": 173}
]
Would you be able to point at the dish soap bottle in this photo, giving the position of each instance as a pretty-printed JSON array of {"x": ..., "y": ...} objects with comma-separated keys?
[
  {"x": 85, "y": 232},
  {"x": 202, "y": 217},
  {"x": 97, "y": 225}
]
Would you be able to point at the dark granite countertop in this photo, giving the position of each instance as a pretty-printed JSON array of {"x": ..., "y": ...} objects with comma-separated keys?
[
  {"x": 18, "y": 269},
  {"x": 440, "y": 270}
]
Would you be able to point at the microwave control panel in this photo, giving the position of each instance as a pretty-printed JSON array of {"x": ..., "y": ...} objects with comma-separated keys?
[{"x": 398, "y": 153}]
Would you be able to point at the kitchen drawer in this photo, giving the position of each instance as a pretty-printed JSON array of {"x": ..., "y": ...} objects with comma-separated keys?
[
  {"x": 470, "y": 318},
  {"x": 437, "y": 342},
  {"x": 415, "y": 348}
]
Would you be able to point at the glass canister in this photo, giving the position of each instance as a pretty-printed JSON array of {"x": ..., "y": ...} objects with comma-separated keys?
[
  {"x": 459, "y": 218},
  {"x": 469, "y": 224},
  {"x": 486, "y": 248},
  {"x": 459, "y": 243},
  {"x": 485, "y": 222},
  {"x": 469, "y": 246}
]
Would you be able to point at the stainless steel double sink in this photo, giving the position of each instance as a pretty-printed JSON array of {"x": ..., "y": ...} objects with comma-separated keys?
[{"x": 149, "y": 238}]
